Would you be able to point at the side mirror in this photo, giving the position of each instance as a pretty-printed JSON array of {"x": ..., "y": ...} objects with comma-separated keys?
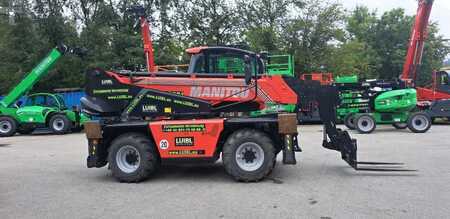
[{"x": 248, "y": 69}]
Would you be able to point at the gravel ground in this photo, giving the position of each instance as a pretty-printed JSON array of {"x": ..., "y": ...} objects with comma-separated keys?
[{"x": 44, "y": 176}]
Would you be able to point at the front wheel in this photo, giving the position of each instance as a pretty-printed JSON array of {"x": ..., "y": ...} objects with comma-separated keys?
[
  {"x": 349, "y": 121},
  {"x": 248, "y": 155},
  {"x": 8, "y": 126},
  {"x": 365, "y": 124},
  {"x": 419, "y": 122},
  {"x": 133, "y": 158},
  {"x": 60, "y": 124}
]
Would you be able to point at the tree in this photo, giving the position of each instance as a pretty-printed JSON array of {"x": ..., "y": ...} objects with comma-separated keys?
[
  {"x": 209, "y": 22},
  {"x": 320, "y": 34},
  {"x": 263, "y": 21},
  {"x": 313, "y": 33},
  {"x": 385, "y": 40},
  {"x": 361, "y": 23},
  {"x": 355, "y": 57}
]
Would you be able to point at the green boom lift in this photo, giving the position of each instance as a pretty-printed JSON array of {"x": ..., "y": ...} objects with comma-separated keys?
[
  {"x": 41, "y": 109},
  {"x": 364, "y": 104}
]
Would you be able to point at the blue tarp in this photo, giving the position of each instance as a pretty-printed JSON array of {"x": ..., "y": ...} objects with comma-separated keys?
[{"x": 72, "y": 98}]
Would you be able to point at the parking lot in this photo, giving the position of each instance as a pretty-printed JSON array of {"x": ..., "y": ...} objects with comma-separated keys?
[{"x": 45, "y": 176}]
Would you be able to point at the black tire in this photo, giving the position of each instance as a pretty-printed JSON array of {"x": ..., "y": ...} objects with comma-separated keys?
[
  {"x": 433, "y": 120},
  {"x": 77, "y": 129},
  {"x": 26, "y": 130},
  {"x": 60, "y": 124},
  {"x": 419, "y": 122},
  {"x": 349, "y": 121},
  {"x": 365, "y": 124},
  {"x": 400, "y": 125},
  {"x": 8, "y": 126},
  {"x": 246, "y": 139},
  {"x": 148, "y": 156}
]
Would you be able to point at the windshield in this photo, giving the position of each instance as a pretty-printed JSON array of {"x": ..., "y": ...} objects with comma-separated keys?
[
  {"x": 221, "y": 63},
  {"x": 45, "y": 101},
  {"x": 61, "y": 101}
]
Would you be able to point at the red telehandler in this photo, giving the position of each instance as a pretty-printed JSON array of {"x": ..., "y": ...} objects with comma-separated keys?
[
  {"x": 149, "y": 118},
  {"x": 435, "y": 98}
]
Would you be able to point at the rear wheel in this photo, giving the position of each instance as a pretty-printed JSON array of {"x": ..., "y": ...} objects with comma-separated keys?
[
  {"x": 349, "y": 121},
  {"x": 400, "y": 125},
  {"x": 8, "y": 126},
  {"x": 133, "y": 158},
  {"x": 419, "y": 122},
  {"x": 248, "y": 155},
  {"x": 365, "y": 124},
  {"x": 60, "y": 124}
]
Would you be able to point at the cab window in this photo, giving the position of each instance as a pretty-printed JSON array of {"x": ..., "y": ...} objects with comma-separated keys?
[
  {"x": 222, "y": 63},
  {"x": 444, "y": 79},
  {"x": 199, "y": 66},
  {"x": 51, "y": 102},
  {"x": 226, "y": 64},
  {"x": 61, "y": 101},
  {"x": 42, "y": 100},
  {"x": 35, "y": 101}
]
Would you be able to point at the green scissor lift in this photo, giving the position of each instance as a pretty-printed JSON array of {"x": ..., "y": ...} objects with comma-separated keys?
[
  {"x": 41, "y": 109},
  {"x": 368, "y": 103}
]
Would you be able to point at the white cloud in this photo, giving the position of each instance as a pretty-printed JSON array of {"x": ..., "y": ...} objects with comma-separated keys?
[{"x": 440, "y": 12}]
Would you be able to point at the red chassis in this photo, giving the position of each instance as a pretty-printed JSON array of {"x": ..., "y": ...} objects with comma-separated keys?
[{"x": 221, "y": 88}]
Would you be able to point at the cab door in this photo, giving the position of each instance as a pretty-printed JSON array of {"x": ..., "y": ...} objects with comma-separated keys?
[
  {"x": 443, "y": 82},
  {"x": 36, "y": 108}
]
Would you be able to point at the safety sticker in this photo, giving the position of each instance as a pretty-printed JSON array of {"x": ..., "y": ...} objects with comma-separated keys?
[{"x": 164, "y": 144}]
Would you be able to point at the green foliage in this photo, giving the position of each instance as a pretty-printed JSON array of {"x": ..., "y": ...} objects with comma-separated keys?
[
  {"x": 355, "y": 57},
  {"x": 321, "y": 35},
  {"x": 386, "y": 39}
]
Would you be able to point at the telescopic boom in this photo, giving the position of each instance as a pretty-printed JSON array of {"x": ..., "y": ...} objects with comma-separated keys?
[{"x": 419, "y": 34}]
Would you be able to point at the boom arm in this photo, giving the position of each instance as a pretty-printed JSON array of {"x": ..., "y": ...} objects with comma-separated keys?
[
  {"x": 37, "y": 73},
  {"x": 417, "y": 41},
  {"x": 148, "y": 44},
  {"x": 139, "y": 12}
]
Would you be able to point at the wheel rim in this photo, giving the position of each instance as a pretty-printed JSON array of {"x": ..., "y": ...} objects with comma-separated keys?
[
  {"x": 58, "y": 124},
  {"x": 128, "y": 159},
  {"x": 365, "y": 124},
  {"x": 249, "y": 156},
  {"x": 5, "y": 126},
  {"x": 420, "y": 122}
]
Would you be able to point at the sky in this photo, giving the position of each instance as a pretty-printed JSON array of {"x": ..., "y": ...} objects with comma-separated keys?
[{"x": 440, "y": 12}]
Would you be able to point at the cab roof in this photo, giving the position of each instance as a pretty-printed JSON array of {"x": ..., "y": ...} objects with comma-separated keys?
[{"x": 200, "y": 49}]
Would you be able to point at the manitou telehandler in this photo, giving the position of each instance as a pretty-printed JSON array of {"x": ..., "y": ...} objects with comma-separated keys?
[
  {"x": 40, "y": 109},
  {"x": 149, "y": 118}
]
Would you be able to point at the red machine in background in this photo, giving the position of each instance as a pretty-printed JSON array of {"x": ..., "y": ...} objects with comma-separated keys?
[
  {"x": 146, "y": 37},
  {"x": 435, "y": 98},
  {"x": 323, "y": 78},
  {"x": 416, "y": 45}
]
